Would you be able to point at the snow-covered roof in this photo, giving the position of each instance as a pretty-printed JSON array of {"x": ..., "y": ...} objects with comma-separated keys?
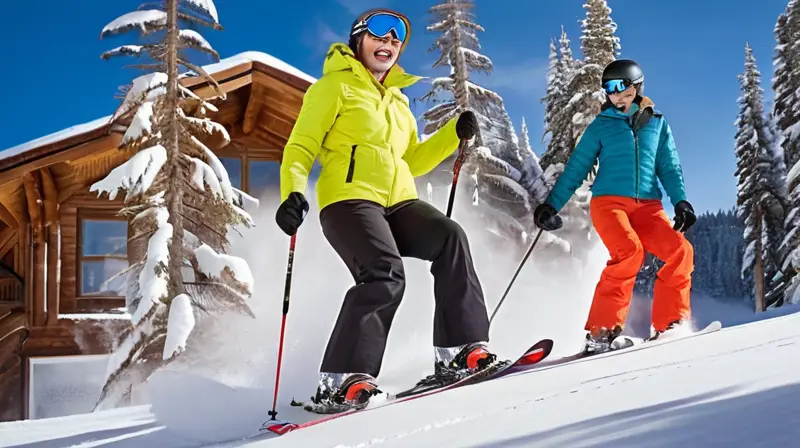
[
  {"x": 257, "y": 56},
  {"x": 56, "y": 136},
  {"x": 223, "y": 64}
]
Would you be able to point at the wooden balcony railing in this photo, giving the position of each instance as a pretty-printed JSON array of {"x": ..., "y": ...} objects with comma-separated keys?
[{"x": 11, "y": 292}]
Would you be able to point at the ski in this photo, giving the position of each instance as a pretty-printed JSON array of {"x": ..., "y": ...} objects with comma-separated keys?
[
  {"x": 631, "y": 345},
  {"x": 532, "y": 356}
]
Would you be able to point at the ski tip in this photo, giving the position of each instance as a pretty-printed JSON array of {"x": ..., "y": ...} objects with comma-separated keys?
[
  {"x": 278, "y": 427},
  {"x": 536, "y": 353}
]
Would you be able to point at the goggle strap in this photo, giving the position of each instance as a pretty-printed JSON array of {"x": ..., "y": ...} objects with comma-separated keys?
[{"x": 359, "y": 28}]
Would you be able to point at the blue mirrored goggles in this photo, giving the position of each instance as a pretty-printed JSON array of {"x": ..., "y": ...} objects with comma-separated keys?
[
  {"x": 382, "y": 24},
  {"x": 613, "y": 86}
]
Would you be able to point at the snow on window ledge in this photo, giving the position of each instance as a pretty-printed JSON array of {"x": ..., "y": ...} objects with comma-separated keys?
[{"x": 115, "y": 314}]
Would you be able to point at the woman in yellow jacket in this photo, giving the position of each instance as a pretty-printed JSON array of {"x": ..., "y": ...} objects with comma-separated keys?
[{"x": 358, "y": 123}]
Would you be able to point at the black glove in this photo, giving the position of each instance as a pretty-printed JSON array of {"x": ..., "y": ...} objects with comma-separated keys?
[
  {"x": 467, "y": 125},
  {"x": 684, "y": 216},
  {"x": 291, "y": 213},
  {"x": 546, "y": 217}
]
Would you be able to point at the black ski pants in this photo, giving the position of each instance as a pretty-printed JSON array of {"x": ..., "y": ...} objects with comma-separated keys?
[{"x": 371, "y": 240}]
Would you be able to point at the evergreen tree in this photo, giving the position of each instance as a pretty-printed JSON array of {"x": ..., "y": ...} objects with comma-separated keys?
[
  {"x": 504, "y": 178},
  {"x": 525, "y": 140},
  {"x": 760, "y": 173},
  {"x": 532, "y": 174},
  {"x": 576, "y": 107},
  {"x": 786, "y": 81},
  {"x": 178, "y": 198},
  {"x": 554, "y": 92},
  {"x": 786, "y": 125},
  {"x": 599, "y": 46},
  {"x": 557, "y": 122}
]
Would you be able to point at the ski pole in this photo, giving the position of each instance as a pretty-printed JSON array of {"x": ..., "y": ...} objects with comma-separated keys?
[
  {"x": 462, "y": 145},
  {"x": 519, "y": 268},
  {"x": 286, "y": 293}
]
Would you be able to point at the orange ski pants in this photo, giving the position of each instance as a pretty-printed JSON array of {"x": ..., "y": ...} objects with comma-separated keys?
[{"x": 628, "y": 228}]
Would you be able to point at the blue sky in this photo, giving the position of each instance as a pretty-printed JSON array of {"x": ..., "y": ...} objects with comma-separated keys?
[{"x": 691, "y": 52}]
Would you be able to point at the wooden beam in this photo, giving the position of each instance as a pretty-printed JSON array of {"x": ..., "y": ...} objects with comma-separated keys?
[
  {"x": 67, "y": 192},
  {"x": 52, "y": 225},
  {"x": 8, "y": 237},
  {"x": 220, "y": 77},
  {"x": 50, "y": 198},
  {"x": 208, "y": 91},
  {"x": 37, "y": 275},
  {"x": 33, "y": 195},
  {"x": 253, "y": 109},
  {"x": 8, "y": 217},
  {"x": 289, "y": 80}
]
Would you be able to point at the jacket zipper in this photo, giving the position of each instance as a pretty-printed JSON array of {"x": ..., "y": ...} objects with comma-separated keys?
[
  {"x": 352, "y": 166},
  {"x": 636, "y": 146},
  {"x": 633, "y": 124}
]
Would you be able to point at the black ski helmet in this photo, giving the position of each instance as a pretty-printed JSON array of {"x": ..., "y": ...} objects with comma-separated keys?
[
  {"x": 355, "y": 38},
  {"x": 626, "y": 69}
]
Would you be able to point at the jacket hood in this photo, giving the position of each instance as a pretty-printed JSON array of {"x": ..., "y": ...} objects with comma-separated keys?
[{"x": 340, "y": 57}]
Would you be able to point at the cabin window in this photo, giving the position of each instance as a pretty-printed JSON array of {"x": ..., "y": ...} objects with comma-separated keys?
[
  {"x": 103, "y": 255},
  {"x": 264, "y": 175},
  {"x": 233, "y": 165}
]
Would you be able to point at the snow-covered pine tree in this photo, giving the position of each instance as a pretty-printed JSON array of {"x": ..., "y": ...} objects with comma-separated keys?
[
  {"x": 599, "y": 46},
  {"x": 555, "y": 89},
  {"x": 532, "y": 173},
  {"x": 760, "y": 172},
  {"x": 786, "y": 81},
  {"x": 582, "y": 100},
  {"x": 178, "y": 198},
  {"x": 496, "y": 165},
  {"x": 557, "y": 123},
  {"x": 786, "y": 125}
]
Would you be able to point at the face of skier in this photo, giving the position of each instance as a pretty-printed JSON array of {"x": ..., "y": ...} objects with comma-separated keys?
[
  {"x": 624, "y": 99},
  {"x": 379, "y": 54}
]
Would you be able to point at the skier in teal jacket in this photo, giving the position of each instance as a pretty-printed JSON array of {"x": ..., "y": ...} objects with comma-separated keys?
[{"x": 635, "y": 148}]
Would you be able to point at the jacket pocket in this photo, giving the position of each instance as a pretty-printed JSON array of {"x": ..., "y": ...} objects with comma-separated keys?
[{"x": 352, "y": 167}]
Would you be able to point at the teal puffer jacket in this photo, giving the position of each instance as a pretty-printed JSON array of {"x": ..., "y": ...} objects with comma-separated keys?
[{"x": 630, "y": 163}]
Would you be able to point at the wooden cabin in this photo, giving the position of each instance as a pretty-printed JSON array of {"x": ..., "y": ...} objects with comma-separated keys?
[{"x": 59, "y": 243}]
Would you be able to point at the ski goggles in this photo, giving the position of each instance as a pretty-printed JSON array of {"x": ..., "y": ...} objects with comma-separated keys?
[
  {"x": 613, "y": 86},
  {"x": 381, "y": 24}
]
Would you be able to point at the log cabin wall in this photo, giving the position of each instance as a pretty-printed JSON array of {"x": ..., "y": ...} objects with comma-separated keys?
[{"x": 63, "y": 243}]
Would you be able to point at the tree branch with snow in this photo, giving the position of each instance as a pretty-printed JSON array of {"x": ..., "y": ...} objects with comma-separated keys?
[{"x": 177, "y": 196}]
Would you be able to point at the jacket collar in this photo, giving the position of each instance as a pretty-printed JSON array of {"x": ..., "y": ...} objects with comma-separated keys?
[
  {"x": 644, "y": 103},
  {"x": 340, "y": 57}
]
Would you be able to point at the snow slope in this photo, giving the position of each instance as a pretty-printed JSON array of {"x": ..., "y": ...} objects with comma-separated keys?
[
  {"x": 733, "y": 388},
  {"x": 738, "y": 387}
]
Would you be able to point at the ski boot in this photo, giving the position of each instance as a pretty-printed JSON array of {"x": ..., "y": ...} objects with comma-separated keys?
[
  {"x": 339, "y": 392},
  {"x": 676, "y": 328},
  {"x": 453, "y": 364},
  {"x": 602, "y": 340}
]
